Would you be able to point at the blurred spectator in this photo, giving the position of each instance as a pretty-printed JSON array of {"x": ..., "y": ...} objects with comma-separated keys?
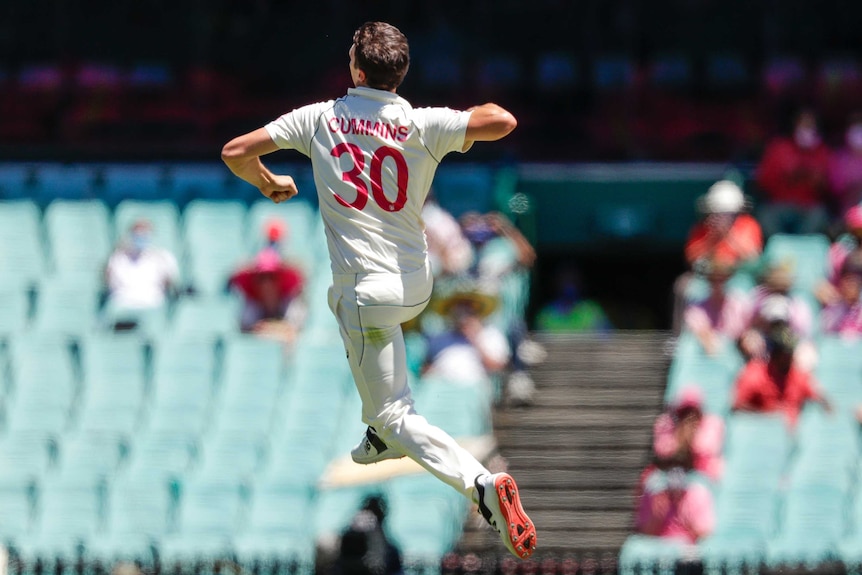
[
  {"x": 500, "y": 250},
  {"x": 844, "y": 315},
  {"x": 776, "y": 384},
  {"x": 845, "y": 245},
  {"x": 773, "y": 306},
  {"x": 365, "y": 549},
  {"x": 722, "y": 315},
  {"x": 793, "y": 177},
  {"x": 138, "y": 275},
  {"x": 500, "y": 247},
  {"x": 468, "y": 350},
  {"x": 449, "y": 250},
  {"x": 271, "y": 290},
  {"x": 845, "y": 167},
  {"x": 685, "y": 436},
  {"x": 675, "y": 507},
  {"x": 725, "y": 237},
  {"x": 569, "y": 311}
]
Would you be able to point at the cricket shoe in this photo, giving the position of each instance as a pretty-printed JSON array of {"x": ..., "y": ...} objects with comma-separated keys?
[
  {"x": 372, "y": 449},
  {"x": 500, "y": 505}
]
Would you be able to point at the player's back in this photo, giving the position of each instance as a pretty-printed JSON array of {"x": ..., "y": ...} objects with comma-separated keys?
[{"x": 374, "y": 158}]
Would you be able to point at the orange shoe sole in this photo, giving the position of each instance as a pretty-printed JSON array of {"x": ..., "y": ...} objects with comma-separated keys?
[{"x": 522, "y": 531}]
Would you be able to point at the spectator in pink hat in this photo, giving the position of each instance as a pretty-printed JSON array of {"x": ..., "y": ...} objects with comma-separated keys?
[
  {"x": 675, "y": 507},
  {"x": 844, "y": 316},
  {"x": 827, "y": 292},
  {"x": 686, "y": 436},
  {"x": 271, "y": 291}
]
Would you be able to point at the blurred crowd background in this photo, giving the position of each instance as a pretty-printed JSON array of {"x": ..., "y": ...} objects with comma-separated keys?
[{"x": 589, "y": 80}]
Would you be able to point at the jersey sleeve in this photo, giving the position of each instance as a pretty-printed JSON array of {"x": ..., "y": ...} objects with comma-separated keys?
[
  {"x": 294, "y": 130},
  {"x": 443, "y": 130}
]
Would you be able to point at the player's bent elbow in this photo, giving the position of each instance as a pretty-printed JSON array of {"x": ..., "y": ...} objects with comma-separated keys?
[{"x": 232, "y": 151}]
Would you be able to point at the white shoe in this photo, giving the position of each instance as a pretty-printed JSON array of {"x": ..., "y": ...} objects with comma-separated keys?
[
  {"x": 372, "y": 449},
  {"x": 500, "y": 505}
]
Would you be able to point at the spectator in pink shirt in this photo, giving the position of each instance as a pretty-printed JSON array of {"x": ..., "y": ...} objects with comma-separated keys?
[
  {"x": 722, "y": 315},
  {"x": 839, "y": 251},
  {"x": 687, "y": 437},
  {"x": 674, "y": 507},
  {"x": 844, "y": 316}
]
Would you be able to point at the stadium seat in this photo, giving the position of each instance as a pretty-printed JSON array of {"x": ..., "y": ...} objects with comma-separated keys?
[
  {"x": 200, "y": 181},
  {"x": 138, "y": 515},
  {"x": 807, "y": 254},
  {"x": 810, "y": 528},
  {"x": 214, "y": 240},
  {"x": 232, "y": 456},
  {"x": 209, "y": 514},
  {"x": 460, "y": 410},
  {"x": 67, "y": 306},
  {"x": 163, "y": 215},
  {"x": 27, "y": 455},
  {"x": 16, "y": 181},
  {"x": 23, "y": 259},
  {"x": 90, "y": 456},
  {"x": 18, "y": 501},
  {"x": 79, "y": 237},
  {"x": 14, "y": 309},
  {"x": 63, "y": 182},
  {"x": 69, "y": 515},
  {"x": 159, "y": 455},
  {"x": 646, "y": 554},
  {"x": 757, "y": 448},
  {"x": 119, "y": 182},
  {"x": 277, "y": 527},
  {"x": 211, "y": 315}
]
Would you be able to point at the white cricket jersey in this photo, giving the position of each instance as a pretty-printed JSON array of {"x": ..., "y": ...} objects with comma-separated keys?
[{"x": 374, "y": 158}]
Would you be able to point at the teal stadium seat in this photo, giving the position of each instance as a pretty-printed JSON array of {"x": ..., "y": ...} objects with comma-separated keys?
[
  {"x": 642, "y": 554},
  {"x": 214, "y": 239},
  {"x": 23, "y": 260},
  {"x": 17, "y": 503},
  {"x": 90, "y": 457},
  {"x": 68, "y": 306},
  {"x": 14, "y": 309},
  {"x": 209, "y": 315},
  {"x": 162, "y": 455},
  {"x": 460, "y": 410},
  {"x": 850, "y": 546},
  {"x": 810, "y": 528},
  {"x": 79, "y": 238},
  {"x": 27, "y": 454},
  {"x": 276, "y": 528},
  {"x": 138, "y": 515},
  {"x": 69, "y": 516},
  {"x": 232, "y": 456},
  {"x": 745, "y": 519},
  {"x": 807, "y": 253},
  {"x": 757, "y": 448},
  {"x": 163, "y": 215},
  {"x": 16, "y": 181},
  {"x": 210, "y": 512},
  {"x": 201, "y": 181}
]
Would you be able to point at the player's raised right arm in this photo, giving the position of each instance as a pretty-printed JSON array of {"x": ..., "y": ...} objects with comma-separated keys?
[
  {"x": 487, "y": 123},
  {"x": 242, "y": 156}
]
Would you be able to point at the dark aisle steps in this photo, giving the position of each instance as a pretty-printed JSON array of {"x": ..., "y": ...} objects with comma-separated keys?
[{"x": 578, "y": 450}]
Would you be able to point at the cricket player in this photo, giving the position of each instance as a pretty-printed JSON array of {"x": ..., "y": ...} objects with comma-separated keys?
[{"x": 374, "y": 156}]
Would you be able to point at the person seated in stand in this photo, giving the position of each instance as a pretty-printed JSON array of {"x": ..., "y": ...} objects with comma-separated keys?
[
  {"x": 449, "y": 249},
  {"x": 776, "y": 384},
  {"x": 674, "y": 507},
  {"x": 793, "y": 176},
  {"x": 844, "y": 316},
  {"x": 845, "y": 167},
  {"x": 774, "y": 306},
  {"x": 687, "y": 437},
  {"x": 271, "y": 290},
  {"x": 844, "y": 245},
  {"x": 570, "y": 311},
  {"x": 722, "y": 315},
  {"x": 725, "y": 237},
  {"x": 468, "y": 350},
  {"x": 139, "y": 277}
]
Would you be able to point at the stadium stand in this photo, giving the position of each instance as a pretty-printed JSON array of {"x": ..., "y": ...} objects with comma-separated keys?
[{"x": 183, "y": 439}]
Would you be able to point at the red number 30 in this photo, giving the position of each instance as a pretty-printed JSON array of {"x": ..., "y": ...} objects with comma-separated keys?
[{"x": 353, "y": 177}]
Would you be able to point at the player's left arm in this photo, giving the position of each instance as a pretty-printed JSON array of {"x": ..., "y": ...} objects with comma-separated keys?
[{"x": 242, "y": 156}]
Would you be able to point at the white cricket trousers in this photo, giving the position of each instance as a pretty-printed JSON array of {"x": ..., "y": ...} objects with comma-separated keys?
[{"x": 370, "y": 309}]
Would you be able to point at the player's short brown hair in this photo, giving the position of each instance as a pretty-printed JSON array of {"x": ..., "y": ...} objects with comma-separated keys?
[{"x": 382, "y": 53}]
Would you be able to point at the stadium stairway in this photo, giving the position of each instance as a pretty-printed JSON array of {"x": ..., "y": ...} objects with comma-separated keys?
[{"x": 578, "y": 450}]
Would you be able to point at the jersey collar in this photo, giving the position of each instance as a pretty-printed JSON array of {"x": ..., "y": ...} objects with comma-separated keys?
[{"x": 374, "y": 94}]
